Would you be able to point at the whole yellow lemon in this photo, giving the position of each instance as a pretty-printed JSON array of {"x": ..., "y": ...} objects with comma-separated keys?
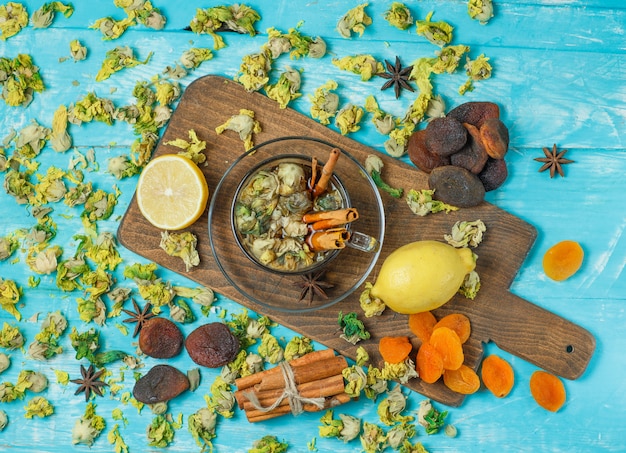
[{"x": 422, "y": 276}]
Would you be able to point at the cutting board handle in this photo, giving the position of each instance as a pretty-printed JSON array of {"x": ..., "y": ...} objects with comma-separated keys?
[{"x": 543, "y": 338}]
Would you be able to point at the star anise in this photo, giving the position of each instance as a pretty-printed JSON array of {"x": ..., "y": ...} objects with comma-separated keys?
[
  {"x": 139, "y": 315},
  {"x": 553, "y": 161},
  {"x": 313, "y": 284},
  {"x": 397, "y": 76},
  {"x": 90, "y": 382}
]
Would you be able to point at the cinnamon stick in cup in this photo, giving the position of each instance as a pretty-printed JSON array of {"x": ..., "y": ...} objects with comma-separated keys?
[
  {"x": 332, "y": 239},
  {"x": 321, "y": 185},
  {"x": 323, "y": 220}
]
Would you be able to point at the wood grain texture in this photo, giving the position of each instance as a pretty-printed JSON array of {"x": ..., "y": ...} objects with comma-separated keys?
[{"x": 516, "y": 325}]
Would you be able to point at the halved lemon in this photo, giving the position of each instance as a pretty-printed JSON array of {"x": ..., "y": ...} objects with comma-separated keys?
[{"x": 172, "y": 192}]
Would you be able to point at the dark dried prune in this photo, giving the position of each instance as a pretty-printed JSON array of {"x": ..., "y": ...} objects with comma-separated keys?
[
  {"x": 456, "y": 186},
  {"x": 494, "y": 174},
  {"x": 160, "y": 338},
  {"x": 475, "y": 113},
  {"x": 473, "y": 156},
  {"x": 495, "y": 137},
  {"x": 212, "y": 345},
  {"x": 445, "y": 136},
  {"x": 161, "y": 383},
  {"x": 419, "y": 154}
]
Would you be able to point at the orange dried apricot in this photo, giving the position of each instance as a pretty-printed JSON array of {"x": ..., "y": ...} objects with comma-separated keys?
[
  {"x": 394, "y": 349},
  {"x": 547, "y": 390},
  {"x": 463, "y": 380},
  {"x": 421, "y": 324},
  {"x": 429, "y": 364},
  {"x": 449, "y": 346},
  {"x": 457, "y": 322},
  {"x": 563, "y": 260},
  {"x": 497, "y": 375}
]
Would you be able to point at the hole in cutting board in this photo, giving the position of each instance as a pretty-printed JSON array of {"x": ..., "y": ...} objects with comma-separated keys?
[{"x": 569, "y": 348}]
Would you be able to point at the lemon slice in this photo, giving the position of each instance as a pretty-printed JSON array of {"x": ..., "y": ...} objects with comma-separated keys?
[{"x": 172, "y": 192}]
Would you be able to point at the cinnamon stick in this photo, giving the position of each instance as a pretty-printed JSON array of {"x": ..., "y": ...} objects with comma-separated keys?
[
  {"x": 322, "y": 220},
  {"x": 329, "y": 402},
  {"x": 306, "y": 360},
  {"x": 321, "y": 369},
  {"x": 331, "y": 239},
  {"x": 327, "y": 170},
  {"x": 326, "y": 387},
  {"x": 313, "y": 172}
]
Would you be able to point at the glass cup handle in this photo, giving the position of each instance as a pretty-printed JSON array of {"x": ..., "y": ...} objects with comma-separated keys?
[{"x": 363, "y": 242}]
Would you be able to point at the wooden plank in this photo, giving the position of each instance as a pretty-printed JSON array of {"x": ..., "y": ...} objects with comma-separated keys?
[{"x": 518, "y": 326}]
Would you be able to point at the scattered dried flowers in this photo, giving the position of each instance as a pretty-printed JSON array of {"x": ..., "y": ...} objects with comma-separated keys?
[
  {"x": 238, "y": 18},
  {"x": 353, "y": 328},
  {"x": 13, "y": 17},
  {"x": 438, "y": 33},
  {"x": 137, "y": 11},
  {"x": 422, "y": 203},
  {"x": 192, "y": 148},
  {"x": 244, "y": 124},
  {"x": 355, "y": 20},
  {"x": 399, "y": 16},
  {"x": 374, "y": 166},
  {"x": 43, "y": 17},
  {"x": 324, "y": 103},
  {"x": 364, "y": 65},
  {"x": 286, "y": 87},
  {"x": 77, "y": 50},
  {"x": 19, "y": 79},
  {"x": 478, "y": 69},
  {"x": 182, "y": 245},
  {"x": 117, "y": 59},
  {"x": 348, "y": 119},
  {"x": 88, "y": 426},
  {"x": 480, "y": 10}
]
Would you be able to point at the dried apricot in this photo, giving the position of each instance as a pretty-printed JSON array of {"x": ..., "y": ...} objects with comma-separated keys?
[
  {"x": 160, "y": 338},
  {"x": 161, "y": 383},
  {"x": 547, "y": 390},
  {"x": 495, "y": 137},
  {"x": 212, "y": 345},
  {"x": 456, "y": 186},
  {"x": 421, "y": 325},
  {"x": 473, "y": 156},
  {"x": 449, "y": 346},
  {"x": 563, "y": 260},
  {"x": 394, "y": 349},
  {"x": 497, "y": 375},
  {"x": 428, "y": 363},
  {"x": 421, "y": 156},
  {"x": 475, "y": 113},
  {"x": 464, "y": 380},
  {"x": 493, "y": 174},
  {"x": 457, "y": 322},
  {"x": 445, "y": 136}
]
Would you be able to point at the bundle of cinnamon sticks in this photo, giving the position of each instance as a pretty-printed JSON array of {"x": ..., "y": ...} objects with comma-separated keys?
[{"x": 317, "y": 378}]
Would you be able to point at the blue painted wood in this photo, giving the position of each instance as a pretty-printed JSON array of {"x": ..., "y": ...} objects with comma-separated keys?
[{"x": 560, "y": 77}]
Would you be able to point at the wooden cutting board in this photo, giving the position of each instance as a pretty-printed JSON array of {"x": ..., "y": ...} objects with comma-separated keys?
[{"x": 497, "y": 315}]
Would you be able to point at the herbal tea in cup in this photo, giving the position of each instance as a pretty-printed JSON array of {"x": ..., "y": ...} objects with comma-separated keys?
[{"x": 292, "y": 215}]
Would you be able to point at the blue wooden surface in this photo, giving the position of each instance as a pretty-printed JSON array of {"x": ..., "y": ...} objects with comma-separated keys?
[{"x": 559, "y": 76}]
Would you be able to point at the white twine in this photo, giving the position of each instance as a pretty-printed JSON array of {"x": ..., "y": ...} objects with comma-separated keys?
[{"x": 296, "y": 401}]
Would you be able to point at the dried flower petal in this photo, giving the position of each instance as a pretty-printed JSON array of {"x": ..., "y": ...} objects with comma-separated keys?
[
  {"x": 324, "y": 103},
  {"x": 364, "y": 65},
  {"x": 355, "y": 20},
  {"x": 244, "y": 124},
  {"x": 43, "y": 17},
  {"x": 117, "y": 59},
  {"x": 348, "y": 119},
  {"x": 13, "y": 17}
]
